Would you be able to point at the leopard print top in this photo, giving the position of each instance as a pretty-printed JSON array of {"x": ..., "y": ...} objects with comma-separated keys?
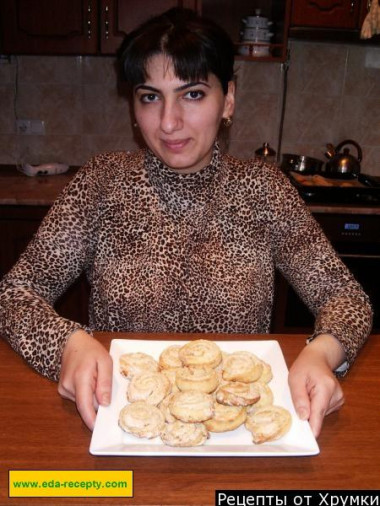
[{"x": 176, "y": 252}]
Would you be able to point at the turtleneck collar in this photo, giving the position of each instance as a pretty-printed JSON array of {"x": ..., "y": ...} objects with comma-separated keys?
[{"x": 180, "y": 193}]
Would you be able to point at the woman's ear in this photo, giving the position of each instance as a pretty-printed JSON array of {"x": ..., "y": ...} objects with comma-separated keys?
[{"x": 229, "y": 100}]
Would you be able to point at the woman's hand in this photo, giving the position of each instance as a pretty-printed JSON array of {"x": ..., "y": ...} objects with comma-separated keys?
[
  {"x": 315, "y": 390},
  {"x": 86, "y": 375}
]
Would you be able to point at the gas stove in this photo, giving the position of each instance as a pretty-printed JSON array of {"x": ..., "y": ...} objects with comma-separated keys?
[{"x": 358, "y": 190}]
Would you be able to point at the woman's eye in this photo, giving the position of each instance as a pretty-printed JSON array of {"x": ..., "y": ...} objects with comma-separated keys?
[
  {"x": 147, "y": 98},
  {"x": 195, "y": 95}
]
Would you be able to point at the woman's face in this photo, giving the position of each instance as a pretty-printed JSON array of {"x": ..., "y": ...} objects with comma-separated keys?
[{"x": 179, "y": 120}]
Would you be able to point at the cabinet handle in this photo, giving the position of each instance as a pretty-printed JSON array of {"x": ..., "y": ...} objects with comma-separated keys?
[
  {"x": 106, "y": 22},
  {"x": 352, "y": 7},
  {"x": 89, "y": 10}
]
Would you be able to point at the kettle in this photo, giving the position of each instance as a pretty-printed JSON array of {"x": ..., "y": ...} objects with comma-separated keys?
[
  {"x": 266, "y": 152},
  {"x": 343, "y": 164}
]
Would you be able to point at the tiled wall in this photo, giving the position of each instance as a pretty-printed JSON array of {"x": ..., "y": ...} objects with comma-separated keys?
[{"x": 333, "y": 94}]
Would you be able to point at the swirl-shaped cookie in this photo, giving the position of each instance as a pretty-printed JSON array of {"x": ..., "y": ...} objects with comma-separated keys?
[
  {"x": 200, "y": 352},
  {"x": 142, "y": 420},
  {"x": 268, "y": 423},
  {"x": 184, "y": 434},
  {"x": 266, "y": 374},
  {"x": 202, "y": 379},
  {"x": 192, "y": 406},
  {"x": 242, "y": 366},
  {"x": 236, "y": 393},
  {"x": 164, "y": 408},
  {"x": 171, "y": 375},
  {"x": 226, "y": 418},
  {"x": 266, "y": 397},
  {"x": 151, "y": 387},
  {"x": 136, "y": 363},
  {"x": 169, "y": 357}
]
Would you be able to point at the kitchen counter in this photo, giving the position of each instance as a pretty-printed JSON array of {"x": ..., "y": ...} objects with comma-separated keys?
[{"x": 19, "y": 189}]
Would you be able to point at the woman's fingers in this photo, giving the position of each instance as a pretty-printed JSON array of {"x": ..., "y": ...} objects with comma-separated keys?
[
  {"x": 300, "y": 395},
  {"x": 326, "y": 397},
  {"x": 84, "y": 398},
  {"x": 315, "y": 390},
  {"x": 104, "y": 381},
  {"x": 86, "y": 375}
]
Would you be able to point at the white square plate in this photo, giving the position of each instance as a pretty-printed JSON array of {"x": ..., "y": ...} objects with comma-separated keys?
[{"x": 109, "y": 439}]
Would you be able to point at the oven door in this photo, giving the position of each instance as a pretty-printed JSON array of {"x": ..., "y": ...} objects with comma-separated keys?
[{"x": 290, "y": 315}]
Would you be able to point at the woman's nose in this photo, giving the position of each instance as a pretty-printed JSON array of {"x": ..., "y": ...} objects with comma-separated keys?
[{"x": 171, "y": 117}]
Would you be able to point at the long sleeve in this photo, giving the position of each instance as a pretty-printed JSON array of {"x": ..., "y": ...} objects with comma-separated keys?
[
  {"x": 55, "y": 257},
  {"x": 310, "y": 264}
]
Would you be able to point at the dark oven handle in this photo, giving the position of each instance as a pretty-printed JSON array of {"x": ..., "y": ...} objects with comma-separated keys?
[{"x": 358, "y": 255}]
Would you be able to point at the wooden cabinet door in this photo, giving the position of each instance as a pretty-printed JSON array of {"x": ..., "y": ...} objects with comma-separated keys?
[
  {"x": 120, "y": 17},
  {"x": 49, "y": 26},
  {"x": 18, "y": 224},
  {"x": 326, "y": 13}
]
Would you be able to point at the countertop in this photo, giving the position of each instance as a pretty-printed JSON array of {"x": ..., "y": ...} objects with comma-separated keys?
[
  {"x": 18, "y": 189},
  {"x": 42, "y": 431}
]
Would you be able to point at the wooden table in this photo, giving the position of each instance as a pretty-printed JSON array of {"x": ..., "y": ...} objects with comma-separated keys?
[{"x": 39, "y": 430}]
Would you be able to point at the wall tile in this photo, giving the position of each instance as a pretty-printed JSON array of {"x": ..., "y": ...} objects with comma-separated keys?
[
  {"x": 333, "y": 94},
  {"x": 7, "y": 117},
  {"x": 308, "y": 120},
  {"x": 258, "y": 76},
  {"x": 8, "y": 149},
  {"x": 93, "y": 144},
  {"x": 317, "y": 68},
  {"x": 99, "y": 70},
  {"x": 363, "y": 72},
  {"x": 49, "y": 69}
]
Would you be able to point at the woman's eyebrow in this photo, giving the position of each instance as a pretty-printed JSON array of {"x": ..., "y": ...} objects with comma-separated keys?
[
  {"x": 190, "y": 85},
  {"x": 179, "y": 88},
  {"x": 145, "y": 87}
]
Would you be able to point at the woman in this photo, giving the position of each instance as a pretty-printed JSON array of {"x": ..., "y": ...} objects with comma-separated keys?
[{"x": 179, "y": 237}]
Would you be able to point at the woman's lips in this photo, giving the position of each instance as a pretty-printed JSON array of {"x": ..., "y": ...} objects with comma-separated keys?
[{"x": 175, "y": 146}]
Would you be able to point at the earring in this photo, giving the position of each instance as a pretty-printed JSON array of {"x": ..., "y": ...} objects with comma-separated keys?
[
  {"x": 227, "y": 122},
  {"x": 135, "y": 125}
]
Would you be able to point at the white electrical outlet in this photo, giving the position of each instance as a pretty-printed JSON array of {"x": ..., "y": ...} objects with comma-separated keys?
[{"x": 30, "y": 127}]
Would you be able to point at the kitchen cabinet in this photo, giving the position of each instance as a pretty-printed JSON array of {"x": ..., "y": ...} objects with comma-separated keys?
[
  {"x": 328, "y": 19},
  {"x": 230, "y": 13},
  {"x": 90, "y": 27},
  {"x": 17, "y": 227},
  {"x": 83, "y": 27}
]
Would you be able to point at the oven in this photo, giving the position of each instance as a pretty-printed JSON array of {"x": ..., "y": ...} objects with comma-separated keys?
[{"x": 355, "y": 236}]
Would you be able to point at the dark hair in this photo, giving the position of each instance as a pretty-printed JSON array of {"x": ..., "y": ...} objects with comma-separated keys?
[{"x": 196, "y": 46}]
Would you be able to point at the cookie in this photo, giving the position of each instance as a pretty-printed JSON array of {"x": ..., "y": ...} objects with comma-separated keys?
[
  {"x": 131, "y": 364},
  {"x": 235, "y": 393},
  {"x": 142, "y": 420},
  {"x": 192, "y": 406},
  {"x": 151, "y": 387},
  {"x": 226, "y": 418},
  {"x": 181, "y": 433},
  {"x": 171, "y": 375},
  {"x": 242, "y": 366},
  {"x": 164, "y": 408},
  {"x": 202, "y": 379},
  {"x": 266, "y": 397},
  {"x": 200, "y": 352},
  {"x": 268, "y": 423},
  {"x": 169, "y": 357},
  {"x": 266, "y": 375}
]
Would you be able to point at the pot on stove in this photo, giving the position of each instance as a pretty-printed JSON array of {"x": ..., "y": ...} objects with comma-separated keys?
[
  {"x": 301, "y": 163},
  {"x": 342, "y": 163}
]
